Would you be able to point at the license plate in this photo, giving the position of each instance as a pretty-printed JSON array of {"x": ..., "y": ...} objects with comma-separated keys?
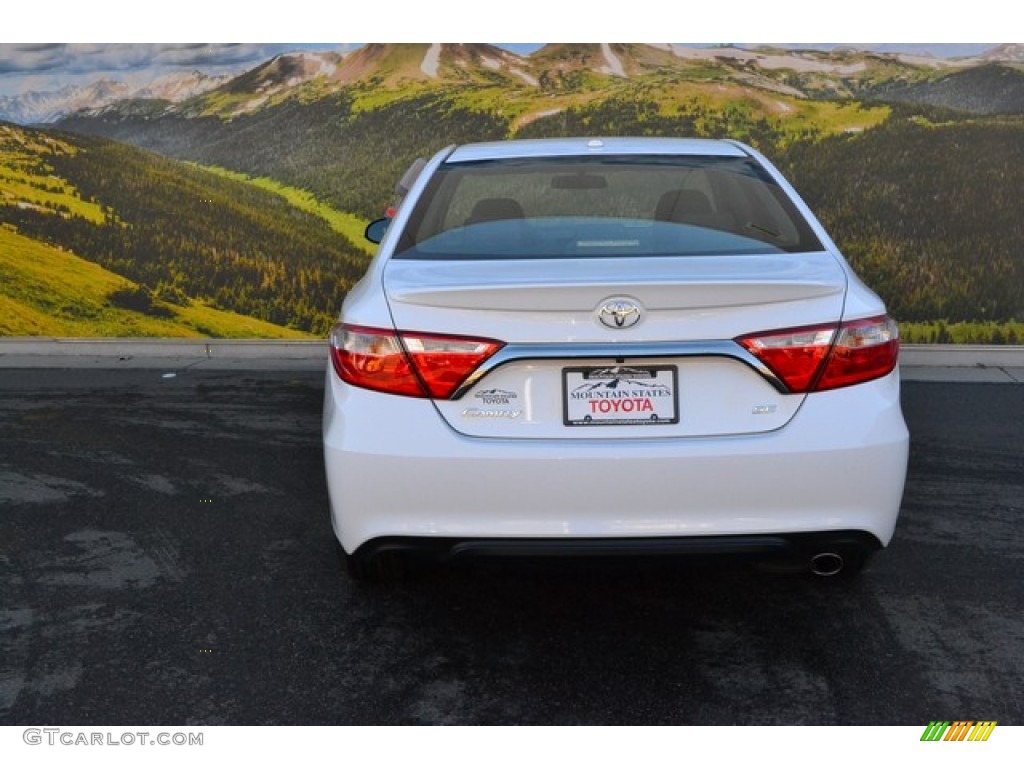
[{"x": 620, "y": 394}]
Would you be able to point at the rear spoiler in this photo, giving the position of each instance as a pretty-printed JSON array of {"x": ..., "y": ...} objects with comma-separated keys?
[{"x": 409, "y": 177}]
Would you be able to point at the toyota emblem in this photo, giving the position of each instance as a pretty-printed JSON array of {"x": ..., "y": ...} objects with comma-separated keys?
[{"x": 619, "y": 313}]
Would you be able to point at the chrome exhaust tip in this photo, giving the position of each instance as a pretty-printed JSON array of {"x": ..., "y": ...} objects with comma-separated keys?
[{"x": 826, "y": 564}]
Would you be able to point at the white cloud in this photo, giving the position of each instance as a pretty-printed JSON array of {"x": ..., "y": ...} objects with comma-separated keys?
[
  {"x": 78, "y": 58},
  {"x": 48, "y": 67}
]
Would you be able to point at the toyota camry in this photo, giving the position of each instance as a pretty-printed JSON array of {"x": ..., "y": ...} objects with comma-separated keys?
[{"x": 610, "y": 347}]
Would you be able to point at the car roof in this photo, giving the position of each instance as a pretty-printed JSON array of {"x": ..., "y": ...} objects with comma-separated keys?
[{"x": 591, "y": 146}]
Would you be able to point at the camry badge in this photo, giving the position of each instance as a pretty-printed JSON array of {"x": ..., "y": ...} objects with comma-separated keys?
[{"x": 619, "y": 313}]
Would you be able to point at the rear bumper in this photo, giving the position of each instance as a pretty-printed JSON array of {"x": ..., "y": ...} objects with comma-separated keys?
[
  {"x": 398, "y": 475},
  {"x": 797, "y": 548}
]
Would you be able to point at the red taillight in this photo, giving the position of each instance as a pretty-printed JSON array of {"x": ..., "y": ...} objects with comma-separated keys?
[
  {"x": 406, "y": 363},
  {"x": 828, "y": 356}
]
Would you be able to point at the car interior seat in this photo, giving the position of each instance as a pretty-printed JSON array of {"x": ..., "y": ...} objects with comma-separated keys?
[
  {"x": 495, "y": 209},
  {"x": 691, "y": 206}
]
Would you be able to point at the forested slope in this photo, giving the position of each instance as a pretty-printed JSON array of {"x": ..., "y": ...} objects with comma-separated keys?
[
  {"x": 180, "y": 232},
  {"x": 928, "y": 213}
]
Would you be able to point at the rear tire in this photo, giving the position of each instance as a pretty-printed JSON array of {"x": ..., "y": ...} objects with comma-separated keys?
[{"x": 380, "y": 568}]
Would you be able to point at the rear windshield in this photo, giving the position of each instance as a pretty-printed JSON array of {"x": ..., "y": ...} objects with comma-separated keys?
[{"x": 606, "y": 206}]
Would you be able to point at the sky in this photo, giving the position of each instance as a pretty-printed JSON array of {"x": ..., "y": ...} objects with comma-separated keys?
[
  {"x": 46, "y": 67},
  {"x": 35, "y": 66}
]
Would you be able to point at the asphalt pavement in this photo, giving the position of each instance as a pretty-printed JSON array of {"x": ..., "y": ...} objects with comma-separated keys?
[{"x": 166, "y": 558}]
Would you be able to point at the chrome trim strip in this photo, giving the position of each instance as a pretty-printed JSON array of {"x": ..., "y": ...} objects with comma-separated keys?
[{"x": 575, "y": 352}]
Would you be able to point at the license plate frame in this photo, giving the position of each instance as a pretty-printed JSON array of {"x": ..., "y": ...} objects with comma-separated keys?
[{"x": 634, "y": 395}]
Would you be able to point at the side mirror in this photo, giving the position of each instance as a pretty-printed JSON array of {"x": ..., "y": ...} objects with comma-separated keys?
[{"x": 375, "y": 230}]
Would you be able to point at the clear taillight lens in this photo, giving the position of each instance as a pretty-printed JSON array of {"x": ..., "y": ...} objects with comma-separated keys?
[
  {"x": 828, "y": 356},
  {"x": 406, "y": 363},
  {"x": 865, "y": 350}
]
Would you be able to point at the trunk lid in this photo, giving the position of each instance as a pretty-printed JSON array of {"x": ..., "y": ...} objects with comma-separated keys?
[{"x": 671, "y": 371}]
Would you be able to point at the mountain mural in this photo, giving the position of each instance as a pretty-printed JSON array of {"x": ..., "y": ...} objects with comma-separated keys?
[
  {"x": 911, "y": 161},
  {"x": 840, "y": 71}
]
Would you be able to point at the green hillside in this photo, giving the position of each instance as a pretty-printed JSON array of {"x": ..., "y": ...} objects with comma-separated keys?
[
  {"x": 183, "y": 234},
  {"x": 349, "y": 147},
  {"x": 927, "y": 212},
  {"x": 27, "y": 181},
  {"x": 348, "y": 225},
  {"x": 987, "y": 90},
  {"x": 45, "y": 291}
]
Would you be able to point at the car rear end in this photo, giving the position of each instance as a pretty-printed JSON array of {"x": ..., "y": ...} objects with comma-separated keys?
[{"x": 612, "y": 346}]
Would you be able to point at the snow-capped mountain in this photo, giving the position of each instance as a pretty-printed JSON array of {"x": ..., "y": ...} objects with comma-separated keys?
[
  {"x": 1009, "y": 52},
  {"x": 38, "y": 107},
  {"x": 47, "y": 107},
  {"x": 178, "y": 86}
]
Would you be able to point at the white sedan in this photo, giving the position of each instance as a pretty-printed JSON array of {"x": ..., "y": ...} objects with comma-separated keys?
[{"x": 613, "y": 346}]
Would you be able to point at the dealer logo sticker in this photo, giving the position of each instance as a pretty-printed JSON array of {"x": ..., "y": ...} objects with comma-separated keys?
[{"x": 496, "y": 396}]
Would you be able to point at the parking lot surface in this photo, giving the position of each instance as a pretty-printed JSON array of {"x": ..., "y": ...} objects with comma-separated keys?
[{"x": 166, "y": 557}]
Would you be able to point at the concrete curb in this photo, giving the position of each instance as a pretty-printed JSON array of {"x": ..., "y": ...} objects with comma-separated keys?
[
  {"x": 961, "y": 356},
  {"x": 173, "y": 354},
  {"x": 962, "y": 362},
  {"x": 230, "y": 348},
  {"x": 920, "y": 362}
]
